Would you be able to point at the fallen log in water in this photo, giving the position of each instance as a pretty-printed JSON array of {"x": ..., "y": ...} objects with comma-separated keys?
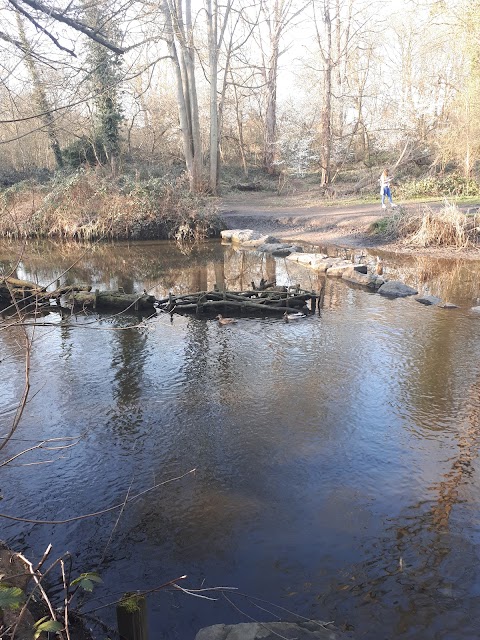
[
  {"x": 111, "y": 299},
  {"x": 254, "y": 302},
  {"x": 14, "y": 289},
  {"x": 20, "y": 284}
]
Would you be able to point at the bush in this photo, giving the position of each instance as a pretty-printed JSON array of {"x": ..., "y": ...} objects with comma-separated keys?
[
  {"x": 84, "y": 151},
  {"x": 89, "y": 205},
  {"x": 426, "y": 227},
  {"x": 453, "y": 185}
]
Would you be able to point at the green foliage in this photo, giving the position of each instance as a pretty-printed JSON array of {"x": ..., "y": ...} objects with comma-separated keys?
[
  {"x": 85, "y": 581},
  {"x": 10, "y": 597},
  {"x": 105, "y": 80},
  {"x": 130, "y": 602},
  {"x": 88, "y": 204},
  {"x": 46, "y": 625},
  {"x": 380, "y": 227},
  {"x": 84, "y": 151},
  {"x": 447, "y": 186}
]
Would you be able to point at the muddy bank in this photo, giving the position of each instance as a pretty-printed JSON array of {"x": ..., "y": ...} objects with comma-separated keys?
[{"x": 292, "y": 219}]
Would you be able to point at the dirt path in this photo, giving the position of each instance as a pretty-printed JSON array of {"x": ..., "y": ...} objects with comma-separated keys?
[
  {"x": 302, "y": 219},
  {"x": 294, "y": 219}
]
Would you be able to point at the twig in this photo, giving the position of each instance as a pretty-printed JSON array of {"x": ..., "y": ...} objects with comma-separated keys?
[
  {"x": 277, "y": 606},
  {"x": 65, "y": 609},
  {"x": 95, "y": 513},
  {"x": 139, "y": 593},
  {"x": 192, "y": 593},
  {"x": 26, "y": 389},
  {"x": 275, "y": 633},
  {"x": 40, "y": 445},
  {"x": 117, "y": 521},
  {"x": 38, "y": 585},
  {"x": 44, "y": 557}
]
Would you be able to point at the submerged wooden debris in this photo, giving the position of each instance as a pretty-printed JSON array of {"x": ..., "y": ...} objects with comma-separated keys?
[
  {"x": 265, "y": 299},
  {"x": 28, "y": 295},
  {"x": 111, "y": 299}
]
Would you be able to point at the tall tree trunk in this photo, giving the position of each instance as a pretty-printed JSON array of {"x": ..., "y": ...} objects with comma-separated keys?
[
  {"x": 212, "y": 15},
  {"x": 271, "y": 114},
  {"x": 241, "y": 142},
  {"x": 180, "y": 46},
  {"x": 40, "y": 94},
  {"x": 277, "y": 21},
  {"x": 326, "y": 116}
]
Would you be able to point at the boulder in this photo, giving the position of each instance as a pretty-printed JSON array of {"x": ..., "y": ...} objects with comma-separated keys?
[
  {"x": 476, "y": 309},
  {"x": 396, "y": 289},
  {"x": 339, "y": 268},
  {"x": 311, "y": 630},
  {"x": 246, "y": 236},
  {"x": 286, "y": 251},
  {"x": 448, "y": 305},
  {"x": 318, "y": 261},
  {"x": 429, "y": 300},
  {"x": 369, "y": 281},
  {"x": 257, "y": 241},
  {"x": 352, "y": 269},
  {"x": 239, "y": 234},
  {"x": 279, "y": 249},
  {"x": 306, "y": 258}
]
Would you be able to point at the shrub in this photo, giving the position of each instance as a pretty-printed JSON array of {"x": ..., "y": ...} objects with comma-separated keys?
[
  {"x": 453, "y": 185},
  {"x": 89, "y": 205},
  {"x": 426, "y": 227},
  {"x": 84, "y": 151}
]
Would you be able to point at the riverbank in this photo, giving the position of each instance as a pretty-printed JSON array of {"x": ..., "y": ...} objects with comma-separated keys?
[
  {"x": 91, "y": 205},
  {"x": 295, "y": 219}
]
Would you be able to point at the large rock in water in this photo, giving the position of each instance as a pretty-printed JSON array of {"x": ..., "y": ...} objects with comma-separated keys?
[
  {"x": 429, "y": 300},
  {"x": 313, "y": 630},
  {"x": 370, "y": 281},
  {"x": 279, "y": 249},
  {"x": 247, "y": 237},
  {"x": 343, "y": 266},
  {"x": 396, "y": 289}
]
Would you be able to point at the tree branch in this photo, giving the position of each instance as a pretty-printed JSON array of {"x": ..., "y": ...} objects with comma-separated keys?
[{"x": 74, "y": 24}]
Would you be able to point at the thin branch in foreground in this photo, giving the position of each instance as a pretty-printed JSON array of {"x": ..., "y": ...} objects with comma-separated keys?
[
  {"x": 277, "y": 606},
  {"x": 275, "y": 633},
  {"x": 38, "y": 585},
  {"x": 95, "y": 513},
  {"x": 41, "y": 445},
  {"x": 138, "y": 593}
]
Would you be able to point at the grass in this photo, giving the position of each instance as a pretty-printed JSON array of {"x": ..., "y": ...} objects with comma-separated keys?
[
  {"x": 446, "y": 227},
  {"x": 88, "y": 205}
]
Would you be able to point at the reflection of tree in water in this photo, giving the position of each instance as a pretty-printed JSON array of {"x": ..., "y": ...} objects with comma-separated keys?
[
  {"x": 419, "y": 578},
  {"x": 128, "y": 359},
  {"x": 454, "y": 280},
  {"x": 106, "y": 263}
]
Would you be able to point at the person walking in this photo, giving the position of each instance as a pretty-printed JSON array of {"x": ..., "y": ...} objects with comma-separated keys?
[{"x": 385, "y": 180}]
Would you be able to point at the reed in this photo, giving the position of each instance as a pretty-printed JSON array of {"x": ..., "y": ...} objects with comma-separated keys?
[
  {"x": 427, "y": 227},
  {"x": 88, "y": 205}
]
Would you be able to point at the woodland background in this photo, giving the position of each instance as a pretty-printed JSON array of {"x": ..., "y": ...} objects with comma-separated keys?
[{"x": 332, "y": 89}]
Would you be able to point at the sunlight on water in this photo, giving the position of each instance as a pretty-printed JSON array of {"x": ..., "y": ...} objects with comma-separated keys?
[{"x": 335, "y": 457}]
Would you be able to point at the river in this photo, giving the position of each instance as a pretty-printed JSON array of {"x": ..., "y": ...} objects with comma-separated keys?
[{"x": 336, "y": 458}]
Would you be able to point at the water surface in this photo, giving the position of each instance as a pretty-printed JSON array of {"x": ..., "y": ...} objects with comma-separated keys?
[{"x": 336, "y": 458}]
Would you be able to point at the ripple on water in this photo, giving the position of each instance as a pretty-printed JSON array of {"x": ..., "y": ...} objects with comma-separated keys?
[{"x": 335, "y": 456}]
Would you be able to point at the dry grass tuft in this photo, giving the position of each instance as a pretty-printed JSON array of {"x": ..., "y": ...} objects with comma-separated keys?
[
  {"x": 88, "y": 205},
  {"x": 426, "y": 227}
]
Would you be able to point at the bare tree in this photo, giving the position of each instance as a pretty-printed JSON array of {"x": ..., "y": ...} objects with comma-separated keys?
[
  {"x": 277, "y": 17},
  {"x": 40, "y": 94},
  {"x": 179, "y": 38}
]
